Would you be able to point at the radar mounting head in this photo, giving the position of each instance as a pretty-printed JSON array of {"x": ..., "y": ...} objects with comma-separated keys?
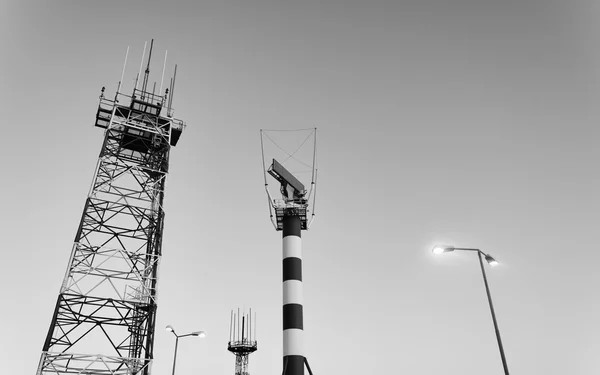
[{"x": 296, "y": 154}]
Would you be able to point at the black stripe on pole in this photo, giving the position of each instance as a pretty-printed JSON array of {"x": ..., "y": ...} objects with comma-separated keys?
[
  {"x": 294, "y": 365},
  {"x": 292, "y": 316},
  {"x": 291, "y": 226},
  {"x": 292, "y": 269}
]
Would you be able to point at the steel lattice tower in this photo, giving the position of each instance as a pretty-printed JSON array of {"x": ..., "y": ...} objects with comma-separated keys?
[{"x": 107, "y": 301}]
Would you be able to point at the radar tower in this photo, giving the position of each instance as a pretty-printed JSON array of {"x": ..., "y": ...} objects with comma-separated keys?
[{"x": 291, "y": 214}]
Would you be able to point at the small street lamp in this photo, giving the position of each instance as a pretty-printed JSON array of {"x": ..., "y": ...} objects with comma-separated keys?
[
  {"x": 440, "y": 249},
  {"x": 170, "y": 328}
]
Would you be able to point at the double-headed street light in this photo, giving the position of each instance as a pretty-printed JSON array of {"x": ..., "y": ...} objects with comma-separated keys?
[
  {"x": 492, "y": 262},
  {"x": 170, "y": 328}
]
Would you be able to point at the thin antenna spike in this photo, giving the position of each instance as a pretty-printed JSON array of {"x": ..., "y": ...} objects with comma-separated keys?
[
  {"x": 169, "y": 99},
  {"x": 162, "y": 76},
  {"x": 243, "y": 328},
  {"x": 141, "y": 64},
  {"x": 147, "y": 72},
  {"x": 150, "y": 56},
  {"x": 230, "y": 325},
  {"x": 173, "y": 87},
  {"x": 122, "y": 73}
]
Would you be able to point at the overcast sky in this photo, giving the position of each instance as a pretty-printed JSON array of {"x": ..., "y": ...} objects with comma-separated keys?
[{"x": 471, "y": 123}]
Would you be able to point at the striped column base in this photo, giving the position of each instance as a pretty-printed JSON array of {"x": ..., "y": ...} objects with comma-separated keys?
[
  {"x": 293, "y": 365},
  {"x": 293, "y": 326}
]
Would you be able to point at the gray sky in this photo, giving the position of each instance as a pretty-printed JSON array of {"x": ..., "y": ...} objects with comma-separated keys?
[{"x": 471, "y": 123}]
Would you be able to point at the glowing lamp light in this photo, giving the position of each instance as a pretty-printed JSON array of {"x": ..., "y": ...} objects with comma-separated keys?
[
  {"x": 491, "y": 261},
  {"x": 440, "y": 249}
]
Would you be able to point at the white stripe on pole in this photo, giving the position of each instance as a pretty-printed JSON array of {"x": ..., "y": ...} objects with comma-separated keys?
[
  {"x": 293, "y": 342},
  {"x": 292, "y": 292},
  {"x": 292, "y": 247}
]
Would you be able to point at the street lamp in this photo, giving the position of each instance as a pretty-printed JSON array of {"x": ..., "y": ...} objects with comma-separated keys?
[
  {"x": 440, "y": 249},
  {"x": 170, "y": 328}
]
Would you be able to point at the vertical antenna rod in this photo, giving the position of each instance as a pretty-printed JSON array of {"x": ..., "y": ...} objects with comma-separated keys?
[
  {"x": 147, "y": 71},
  {"x": 137, "y": 78},
  {"x": 162, "y": 76},
  {"x": 243, "y": 321},
  {"x": 172, "y": 91},
  {"x": 230, "y": 325},
  {"x": 167, "y": 97},
  {"x": 122, "y": 73}
]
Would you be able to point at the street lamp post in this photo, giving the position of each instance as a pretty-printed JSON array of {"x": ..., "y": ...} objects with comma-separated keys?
[
  {"x": 492, "y": 262},
  {"x": 170, "y": 328}
]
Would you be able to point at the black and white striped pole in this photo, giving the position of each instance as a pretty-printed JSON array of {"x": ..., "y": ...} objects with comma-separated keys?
[
  {"x": 293, "y": 327},
  {"x": 291, "y": 214}
]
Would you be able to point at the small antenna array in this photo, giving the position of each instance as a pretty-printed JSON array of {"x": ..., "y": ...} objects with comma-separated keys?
[{"x": 242, "y": 339}]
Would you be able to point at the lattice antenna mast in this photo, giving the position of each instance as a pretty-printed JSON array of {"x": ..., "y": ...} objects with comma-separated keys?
[
  {"x": 104, "y": 318},
  {"x": 291, "y": 219},
  {"x": 242, "y": 340}
]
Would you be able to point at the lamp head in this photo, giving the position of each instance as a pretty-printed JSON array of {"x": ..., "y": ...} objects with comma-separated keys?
[
  {"x": 199, "y": 334},
  {"x": 491, "y": 261},
  {"x": 170, "y": 328},
  {"x": 440, "y": 249}
]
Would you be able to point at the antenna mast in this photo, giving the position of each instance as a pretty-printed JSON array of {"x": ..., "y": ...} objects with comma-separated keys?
[{"x": 242, "y": 342}]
